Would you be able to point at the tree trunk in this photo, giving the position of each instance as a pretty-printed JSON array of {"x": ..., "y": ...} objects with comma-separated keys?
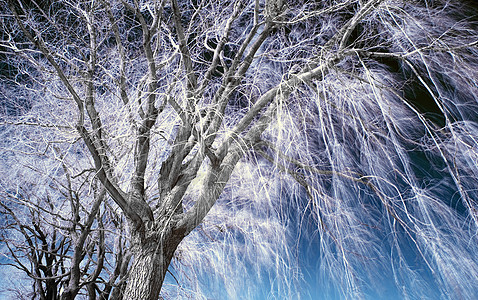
[{"x": 152, "y": 255}]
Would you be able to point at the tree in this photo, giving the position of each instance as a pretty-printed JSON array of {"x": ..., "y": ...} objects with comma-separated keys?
[
  {"x": 344, "y": 98},
  {"x": 56, "y": 225}
]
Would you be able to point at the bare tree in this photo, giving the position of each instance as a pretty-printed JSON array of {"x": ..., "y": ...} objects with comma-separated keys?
[
  {"x": 56, "y": 225},
  {"x": 167, "y": 96}
]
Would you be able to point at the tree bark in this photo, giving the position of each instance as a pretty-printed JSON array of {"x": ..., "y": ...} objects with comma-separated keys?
[{"x": 152, "y": 254}]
